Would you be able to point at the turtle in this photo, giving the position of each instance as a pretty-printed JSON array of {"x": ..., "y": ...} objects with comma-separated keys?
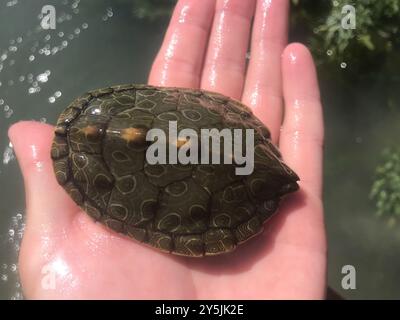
[{"x": 197, "y": 209}]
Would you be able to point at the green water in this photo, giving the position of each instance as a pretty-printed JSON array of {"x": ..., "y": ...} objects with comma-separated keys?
[{"x": 120, "y": 50}]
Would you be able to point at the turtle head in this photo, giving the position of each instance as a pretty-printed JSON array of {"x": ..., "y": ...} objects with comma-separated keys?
[{"x": 288, "y": 188}]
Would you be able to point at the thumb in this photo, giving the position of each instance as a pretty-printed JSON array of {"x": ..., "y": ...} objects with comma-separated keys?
[{"x": 48, "y": 205}]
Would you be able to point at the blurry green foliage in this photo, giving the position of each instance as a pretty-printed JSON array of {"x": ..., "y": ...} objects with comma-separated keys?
[
  {"x": 386, "y": 188},
  {"x": 373, "y": 45},
  {"x": 377, "y": 27},
  {"x": 152, "y": 9},
  {"x": 367, "y": 56}
]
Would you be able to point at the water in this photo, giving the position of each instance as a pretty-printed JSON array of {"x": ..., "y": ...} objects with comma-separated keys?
[
  {"x": 97, "y": 43},
  {"x": 358, "y": 127},
  {"x": 10, "y": 245}
]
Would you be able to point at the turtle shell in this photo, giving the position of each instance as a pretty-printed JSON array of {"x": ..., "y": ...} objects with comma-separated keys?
[{"x": 99, "y": 156}]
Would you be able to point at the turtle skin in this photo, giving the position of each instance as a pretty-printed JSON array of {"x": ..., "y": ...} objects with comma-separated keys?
[{"x": 192, "y": 210}]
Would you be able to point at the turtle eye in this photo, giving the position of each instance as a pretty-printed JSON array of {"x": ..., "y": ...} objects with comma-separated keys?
[{"x": 288, "y": 188}]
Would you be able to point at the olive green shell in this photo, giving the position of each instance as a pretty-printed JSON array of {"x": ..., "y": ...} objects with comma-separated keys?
[{"x": 190, "y": 210}]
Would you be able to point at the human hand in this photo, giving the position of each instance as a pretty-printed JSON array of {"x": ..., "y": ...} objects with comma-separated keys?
[{"x": 205, "y": 47}]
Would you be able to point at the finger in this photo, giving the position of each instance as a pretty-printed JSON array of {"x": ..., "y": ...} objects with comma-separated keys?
[
  {"x": 225, "y": 63},
  {"x": 302, "y": 134},
  {"x": 181, "y": 56},
  {"x": 48, "y": 205},
  {"x": 263, "y": 87}
]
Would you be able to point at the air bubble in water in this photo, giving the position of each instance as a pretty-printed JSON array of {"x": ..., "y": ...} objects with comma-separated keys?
[
  {"x": 57, "y": 94},
  {"x": 8, "y": 154},
  {"x": 11, "y": 232},
  {"x": 14, "y": 221},
  {"x": 52, "y": 99},
  {"x": 43, "y": 77},
  {"x": 85, "y": 25},
  {"x": 33, "y": 90},
  {"x": 17, "y": 296},
  {"x": 9, "y": 113},
  {"x": 12, "y": 3},
  {"x": 43, "y": 120},
  {"x": 31, "y": 58},
  {"x": 4, "y": 277},
  {"x": 343, "y": 65}
]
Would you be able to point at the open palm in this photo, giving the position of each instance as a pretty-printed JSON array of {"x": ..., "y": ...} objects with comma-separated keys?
[{"x": 65, "y": 254}]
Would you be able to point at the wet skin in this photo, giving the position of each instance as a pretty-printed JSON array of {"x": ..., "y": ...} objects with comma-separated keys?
[{"x": 205, "y": 47}]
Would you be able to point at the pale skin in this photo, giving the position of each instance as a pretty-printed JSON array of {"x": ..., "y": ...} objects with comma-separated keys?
[{"x": 205, "y": 47}]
